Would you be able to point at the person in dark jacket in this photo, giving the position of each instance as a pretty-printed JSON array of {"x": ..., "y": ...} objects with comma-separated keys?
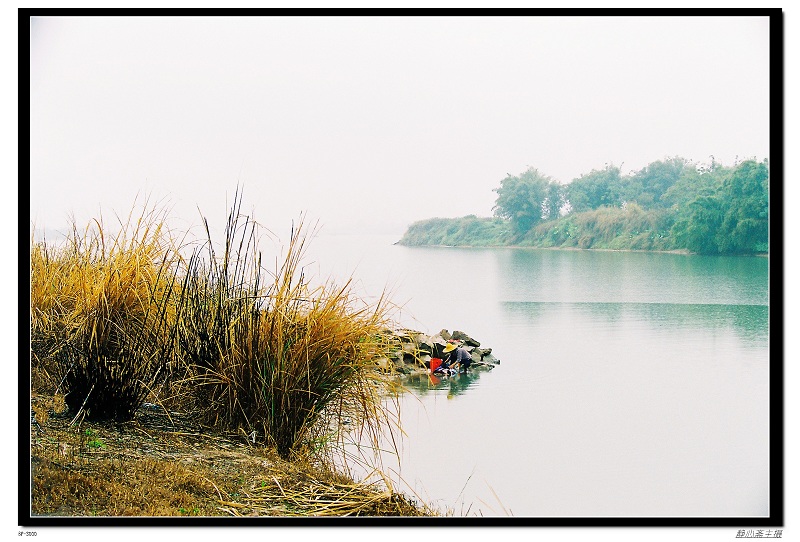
[{"x": 457, "y": 354}]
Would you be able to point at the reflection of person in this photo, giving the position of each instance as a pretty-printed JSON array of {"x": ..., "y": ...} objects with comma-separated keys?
[{"x": 458, "y": 355}]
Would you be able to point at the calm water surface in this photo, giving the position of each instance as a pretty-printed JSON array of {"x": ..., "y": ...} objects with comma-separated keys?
[{"x": 630, "y": 384}]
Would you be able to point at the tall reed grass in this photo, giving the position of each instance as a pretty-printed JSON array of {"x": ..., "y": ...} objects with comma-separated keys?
[
  {"x": 102, "y": 311},
  {"x": 118, "y": 318},
  {"x": 271, "y": 355}
]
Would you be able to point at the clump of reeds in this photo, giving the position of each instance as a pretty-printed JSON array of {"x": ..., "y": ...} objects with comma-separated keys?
[
  {"x": 50, "y": 269},
  {"x": 102, "y": 307},
  {"x": 270, "y": 355},
  {"x": 115, "y": 317}
]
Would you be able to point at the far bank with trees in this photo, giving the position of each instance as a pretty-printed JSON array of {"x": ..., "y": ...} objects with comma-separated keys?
[{"x": 671, "y": 204}]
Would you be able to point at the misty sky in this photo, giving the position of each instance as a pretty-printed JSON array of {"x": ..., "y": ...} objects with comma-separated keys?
[{"x": 371, "y": 123}]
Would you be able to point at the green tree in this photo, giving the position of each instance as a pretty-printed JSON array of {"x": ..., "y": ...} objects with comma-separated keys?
[
  {"x": 595, "y": 189},
  {"x": 648, "y": 185},
  {"x": 523, "y": 199},
  {"x": 732, "y": 219},
  {"x": 698, "y": 230},
  {"x": 692, "y": 183},
  {"x": 745, "y": 226},
  {"x": 555, "y": 200}
]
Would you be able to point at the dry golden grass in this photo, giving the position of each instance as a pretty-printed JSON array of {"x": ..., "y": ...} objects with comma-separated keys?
[
  {"x": 287, "y": 368},
  {"x": 271, "y": 355},
  {"x": 102, "y": 307},
  {"x": 160, "y": 465}
]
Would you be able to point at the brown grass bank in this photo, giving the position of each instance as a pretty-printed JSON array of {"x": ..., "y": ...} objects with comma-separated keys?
[{"x": 167, "y": 464}]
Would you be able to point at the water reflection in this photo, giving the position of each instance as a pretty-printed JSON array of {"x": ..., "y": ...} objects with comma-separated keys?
[
  {"x": 594, "y": 276},
  {"x": 749, "y": 322},
  {"x": 423, "y": 384}
]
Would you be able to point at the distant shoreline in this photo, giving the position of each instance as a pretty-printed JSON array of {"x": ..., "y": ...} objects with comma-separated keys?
[
  {"x": 576, "y": 249},
  {"x": 678, "y": 251}
]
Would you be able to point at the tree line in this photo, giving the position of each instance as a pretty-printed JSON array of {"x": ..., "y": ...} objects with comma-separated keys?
[{"x": 667, "y": 205}]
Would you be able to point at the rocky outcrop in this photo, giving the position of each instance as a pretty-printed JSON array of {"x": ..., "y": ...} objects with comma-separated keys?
[{"x": 411, "y": 350}]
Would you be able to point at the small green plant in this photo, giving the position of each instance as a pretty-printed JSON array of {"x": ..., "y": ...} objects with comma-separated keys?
[
  {"x": 93, "y": 442},
  {"x": 193, "y": 512}
]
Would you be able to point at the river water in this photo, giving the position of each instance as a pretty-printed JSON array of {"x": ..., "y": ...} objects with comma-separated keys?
[{"x": 630, "y": 385}]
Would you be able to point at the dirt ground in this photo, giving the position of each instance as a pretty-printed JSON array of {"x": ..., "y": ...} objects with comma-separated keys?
[{"x": 164, "y": 464}]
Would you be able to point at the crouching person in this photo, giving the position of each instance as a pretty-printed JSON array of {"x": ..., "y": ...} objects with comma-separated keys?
[{"x": 457, "y": 356}]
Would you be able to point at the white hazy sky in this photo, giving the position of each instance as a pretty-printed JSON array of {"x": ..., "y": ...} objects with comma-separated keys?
[{"x": 371, "y": 123}]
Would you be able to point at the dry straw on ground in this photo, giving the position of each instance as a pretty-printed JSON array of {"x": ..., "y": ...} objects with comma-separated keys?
[{"x": 165, "y": 464}]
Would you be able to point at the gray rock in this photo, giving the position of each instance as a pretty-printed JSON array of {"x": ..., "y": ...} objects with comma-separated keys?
[
  {"x": 490, "y": 359},
  {"x": 405, "y": 335},
  {"x": 412, "y": 350},
  {"x": 461, "y": 336},
  {"x": 421, "y": 338},
  {"x": 426, "y": 347}
]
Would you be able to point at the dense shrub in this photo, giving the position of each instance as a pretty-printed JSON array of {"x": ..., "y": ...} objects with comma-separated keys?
[{"x": 464, "y": 231}]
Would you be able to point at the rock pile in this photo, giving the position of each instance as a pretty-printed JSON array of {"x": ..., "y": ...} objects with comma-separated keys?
[{"x": 413, "y": 350}]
